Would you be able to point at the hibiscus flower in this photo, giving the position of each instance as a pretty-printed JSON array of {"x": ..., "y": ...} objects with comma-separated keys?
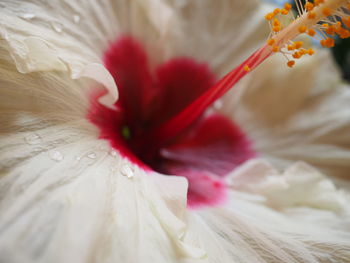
[{"x": 146, "y": 172}]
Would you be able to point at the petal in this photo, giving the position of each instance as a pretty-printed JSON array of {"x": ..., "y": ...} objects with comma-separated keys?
[
  {"x": 223, "y": 32},
  {"x": 212, "y": 149},
  {"x": 297, "y": 216},
  {"x": 298, "y": 114},
  {"x": 70, "y": 199},
  {"x": 60, "y": 36}
]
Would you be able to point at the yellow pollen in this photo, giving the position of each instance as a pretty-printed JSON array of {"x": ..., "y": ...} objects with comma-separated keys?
[
  {"x": 302, "y": 29},
  {"x": 246, "y": 68},
  {"x": 291, "y": 63},
  {"x": 270, "y": 42},
  {"x": 332, "y": 13},
  {"x": 311, "y": 32},
  {"x": 309, "y": 6},
  {"x": 326, "y": 11}
]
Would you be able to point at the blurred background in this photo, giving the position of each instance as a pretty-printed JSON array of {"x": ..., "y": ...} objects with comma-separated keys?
[{"x": 341, "y": 51}]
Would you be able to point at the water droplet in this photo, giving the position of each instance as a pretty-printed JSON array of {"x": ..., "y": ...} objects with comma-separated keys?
[
  {"x": 38, "y": 150},
  {"x": 127, "y": 171},
  {"x": 113, "y": 153},
  {"x": 33, "y": 139},
  {"x": 76, "y": 19},
  {"x": 56, "y": 156},
  {"x": 57, "y": 27},
  {"x": 91, "y": 155},
  {"x": 27, "y": 16}
]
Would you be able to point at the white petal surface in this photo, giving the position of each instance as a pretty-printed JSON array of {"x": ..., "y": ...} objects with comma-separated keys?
[
  {"x": 296, "y": 114},
  {"x": 71, "y": 199}
]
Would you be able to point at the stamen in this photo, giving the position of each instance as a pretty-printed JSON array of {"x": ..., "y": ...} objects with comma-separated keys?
[{"x": 280, "y": 40}]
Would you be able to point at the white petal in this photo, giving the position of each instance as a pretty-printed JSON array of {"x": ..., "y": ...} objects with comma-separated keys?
[
  {"x": 296, "y": 114},
  {"x": 58, "y": 36},
  {"x": 68, "y": 198},
  {"x": 297, "y": 216}
]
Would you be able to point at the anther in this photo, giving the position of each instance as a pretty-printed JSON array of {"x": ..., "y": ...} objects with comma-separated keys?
[
  {"x": 291, "y": 63},
  {"x": 309, "y": 6},
  {"x": 326, "y": 11},
  {"x": 311, "y": 15},
  {"x": 246, "y": 68},
  {"x": 311, "y": 32},
  {"x": 298, "y": 44},
  {"x": 302, "y": 29},
  {"x": 270, "y": 42}
]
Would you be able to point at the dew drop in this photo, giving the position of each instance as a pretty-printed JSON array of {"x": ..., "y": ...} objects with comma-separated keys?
[
  {"x": 56, "y": 156},
  {"x": 76, "y": 19},
  {"x": 113, "y": 153},
  {"x": 91, "y": 155},
  {"x": 33, "y": 139},
  {"x": 57, "y": 27},
  {"x": 88, "y": 158},
  {"x": 127, "y": 171},
  {"x": 27, "y": 16}
]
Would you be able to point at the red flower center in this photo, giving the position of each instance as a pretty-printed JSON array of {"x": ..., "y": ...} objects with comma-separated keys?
[{"x": 151, "y": 102}]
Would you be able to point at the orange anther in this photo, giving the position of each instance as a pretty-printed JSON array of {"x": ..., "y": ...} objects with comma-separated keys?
[
  {"x": 311, "y": 32},
  {"x": 275, "y": 48},
  {"x": 246, "y": 68},
  {"x": 329, "y": 42},
  {"x": 296, "y": 55},
  {"x": 318, "y": 2},
  {"x": 284, "y": 11},
  {"x": 302, "y": 29},
  {"x": 346, "y": 21},
  {"x": 310, "y": 51},
  {"x": 344, "y": 34},
  {"x": 309, "y": 6},
  {"x": 276, "y": 29},
  {"x": 323, "y": 42},
  {"x": 311, "y": 15},
  {"x": 276, "y": 11},
  {"x": 326, "y": 11},
  {"x": 330, "y": 30},
  {"x": 276, "y": 22},
  {"x": 298, "y": 44},
  {"x": 269, "y": 16},
  {"x": 348, "y": 6},
  {"x": 287, "y": 6},
  {"x": 270, "y": 42},
  {"x": 291, "y": 63},
  {"x": 291, "y": 47},
  {"x": 303, "y": 51}
]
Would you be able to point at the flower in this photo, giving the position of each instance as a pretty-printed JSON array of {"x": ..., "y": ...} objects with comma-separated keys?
[{"x": 68, "y": 196}]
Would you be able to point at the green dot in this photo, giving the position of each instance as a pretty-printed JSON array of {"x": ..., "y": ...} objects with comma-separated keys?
[{"x": 126, "y": 132}]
